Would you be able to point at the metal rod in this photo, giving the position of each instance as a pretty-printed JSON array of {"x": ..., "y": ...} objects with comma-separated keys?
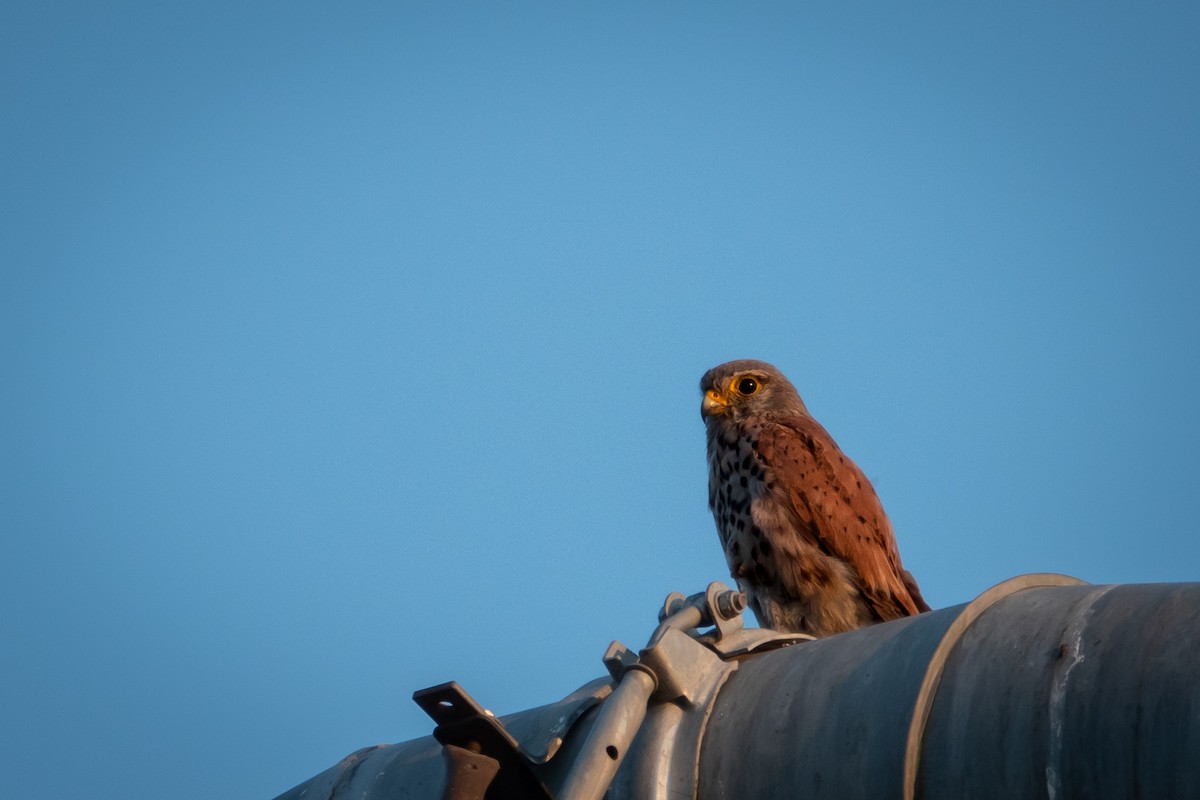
[{"x": 620, "y": 718}]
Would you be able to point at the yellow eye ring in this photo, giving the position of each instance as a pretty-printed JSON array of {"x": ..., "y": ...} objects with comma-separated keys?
[{"x": 745, "y": 385}]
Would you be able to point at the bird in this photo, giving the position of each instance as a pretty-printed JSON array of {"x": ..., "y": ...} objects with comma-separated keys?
[{"x": 804, "y": 533}]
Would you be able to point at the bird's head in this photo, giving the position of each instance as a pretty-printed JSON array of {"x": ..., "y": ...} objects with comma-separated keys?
[{"x": 736, "y": 389}]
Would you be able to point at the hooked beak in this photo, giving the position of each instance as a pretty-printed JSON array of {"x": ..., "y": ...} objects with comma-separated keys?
[{"x": 713, "y": 403}]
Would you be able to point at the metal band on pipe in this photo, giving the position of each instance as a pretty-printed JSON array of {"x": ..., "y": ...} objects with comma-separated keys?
[{"x": 923, "y": 704}]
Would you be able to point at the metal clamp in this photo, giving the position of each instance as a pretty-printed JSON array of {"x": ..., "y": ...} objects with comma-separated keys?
[
  {"x": 673, "y": 666},
  {"x": 482, "y": 757}
]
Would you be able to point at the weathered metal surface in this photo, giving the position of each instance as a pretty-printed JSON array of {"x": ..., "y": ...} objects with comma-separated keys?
[
  {"x": 412, "y": 770},
  {"x": 540, "y": 731},
  {"x": 416, "y": 770},
  {"x": 1049, "y": 692},
  {"x": 923, "y": 705},
  {"x": 1087, "y": 691},
  {"x": 469, "y": 775},
  {"x": 823, "y": 719},
  {"x": 1031, "y": 691}
]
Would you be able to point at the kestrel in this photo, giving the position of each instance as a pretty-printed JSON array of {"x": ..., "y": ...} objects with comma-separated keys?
[{"x": 803, "y": 531}]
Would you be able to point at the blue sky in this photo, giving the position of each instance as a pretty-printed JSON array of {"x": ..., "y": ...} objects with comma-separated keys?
[{"x": 349, "y": 349}]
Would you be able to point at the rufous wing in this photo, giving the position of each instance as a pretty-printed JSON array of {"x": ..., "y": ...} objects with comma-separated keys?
[{"x": 835, "y": 504}]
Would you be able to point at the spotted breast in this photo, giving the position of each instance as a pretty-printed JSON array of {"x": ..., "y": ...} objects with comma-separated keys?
[{"x": 736, "y": 477}]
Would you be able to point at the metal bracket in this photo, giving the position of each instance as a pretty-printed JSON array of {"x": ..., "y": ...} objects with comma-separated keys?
[
  {"x": 718, "y": 605},
  {"x": 673, "y": 669},
  {"x": 691, "y": 665},
  {"x": 463, "y": 724},
  {"x": 677, "y": 675}
]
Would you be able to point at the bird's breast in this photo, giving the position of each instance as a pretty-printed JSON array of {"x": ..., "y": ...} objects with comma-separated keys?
[{"x": 737, "y": 476}]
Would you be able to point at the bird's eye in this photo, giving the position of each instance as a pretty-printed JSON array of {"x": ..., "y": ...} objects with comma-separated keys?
[{"x": 747, "y": 386}]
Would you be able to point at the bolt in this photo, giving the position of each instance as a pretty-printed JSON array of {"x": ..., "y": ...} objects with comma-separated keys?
[{"x": 730, "y": 604}]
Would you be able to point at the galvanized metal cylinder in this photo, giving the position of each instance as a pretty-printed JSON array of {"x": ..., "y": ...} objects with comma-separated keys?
[
  {"x": 1088, "y": 691},
  {"x": 1034, "y": 690},
  {"x": 1065, "y": 691}
]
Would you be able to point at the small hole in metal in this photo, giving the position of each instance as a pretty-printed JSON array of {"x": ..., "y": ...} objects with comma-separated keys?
[{"x": 612, "y": 752}]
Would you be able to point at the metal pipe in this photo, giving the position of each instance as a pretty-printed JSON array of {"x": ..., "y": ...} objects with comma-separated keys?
[
  {"x": 608, "y": 742},
  {"x": 1039, "y": 688},
  {"x": 1033, "y": 691}
]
